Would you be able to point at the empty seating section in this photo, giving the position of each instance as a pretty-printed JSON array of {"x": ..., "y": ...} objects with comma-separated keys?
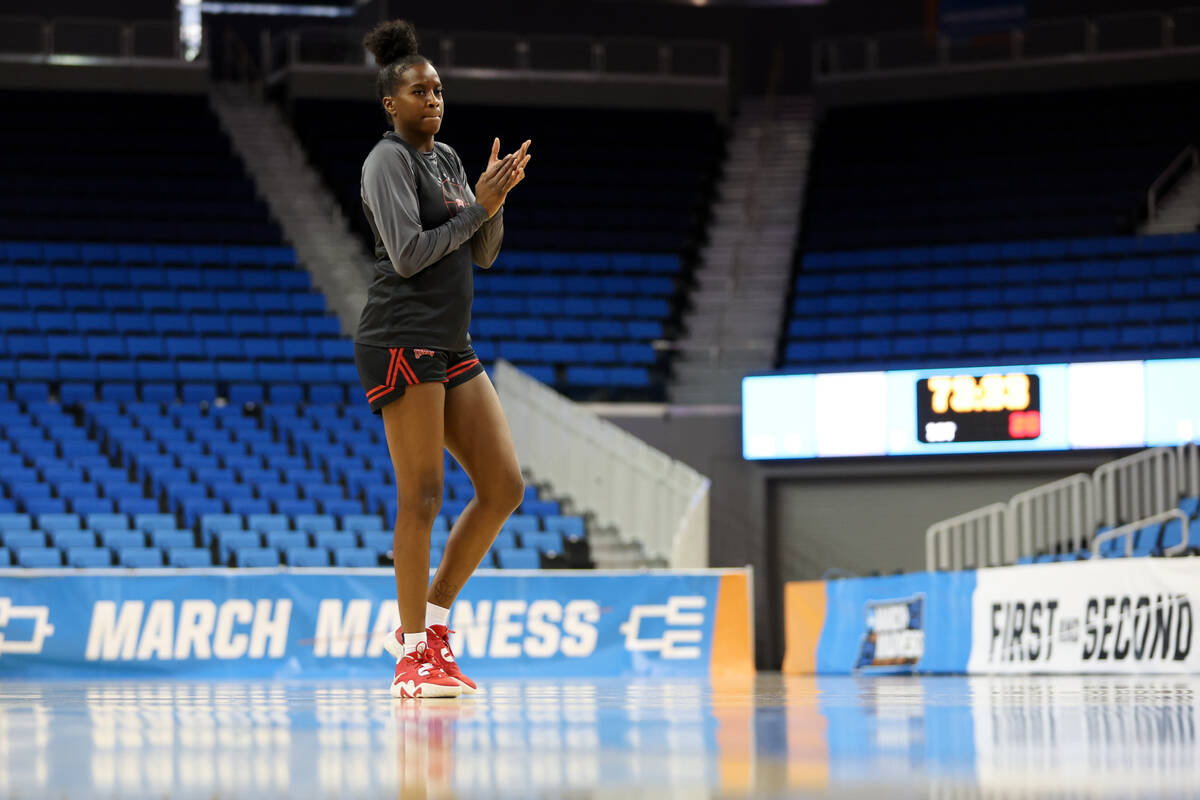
[
  {"x": 95, "y": 166},
  {"x": 146, "y": 484},
  {"x": 994, "y": 168},
  {"x": 585, "y": 322},
  {"x": 1017, "y": 302},
  {"x": 642, "y": 193},
  {"x": 156, "y": 322},
  {"x": 590, "y": 274}
]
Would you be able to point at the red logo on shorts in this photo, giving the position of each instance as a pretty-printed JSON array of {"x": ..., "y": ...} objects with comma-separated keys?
[{"x": 422, "y": 353}]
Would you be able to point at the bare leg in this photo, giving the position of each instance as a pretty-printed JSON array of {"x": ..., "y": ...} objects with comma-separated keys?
[
  {"x": 477, "y": 435},
  {"x": 414, "y": 428}
]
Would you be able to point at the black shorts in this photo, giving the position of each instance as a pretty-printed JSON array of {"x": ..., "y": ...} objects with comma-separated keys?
[{"x": 386, "y": 371}]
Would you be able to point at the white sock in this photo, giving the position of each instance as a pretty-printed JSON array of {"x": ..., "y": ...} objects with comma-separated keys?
[
  {"x": 436, "y": 615},
  {"x": 411, "y": 640}
]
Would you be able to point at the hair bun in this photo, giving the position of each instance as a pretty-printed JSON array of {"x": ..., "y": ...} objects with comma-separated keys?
[{"x": 391, "y": 41}]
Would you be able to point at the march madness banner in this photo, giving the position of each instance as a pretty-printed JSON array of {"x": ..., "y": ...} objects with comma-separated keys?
[
  {"x": 1125, "y": 615},
  {"x": 331, "y": 623}
]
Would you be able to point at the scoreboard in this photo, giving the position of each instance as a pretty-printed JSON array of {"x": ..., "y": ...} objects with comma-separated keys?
[
  {"x": 1112, "y": 404},
  {"x": 978, "y": 408}
]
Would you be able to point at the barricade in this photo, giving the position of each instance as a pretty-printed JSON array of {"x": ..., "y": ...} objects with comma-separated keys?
[{"x": 331, "y": 623}]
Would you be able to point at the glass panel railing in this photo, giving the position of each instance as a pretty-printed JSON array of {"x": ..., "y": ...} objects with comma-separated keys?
[
  {"x": 1125, "y": 32},
  {"x": 87, "y": 37},
  {"x": 22, "y": 35},
  {"x": 1143, "y": 31}
]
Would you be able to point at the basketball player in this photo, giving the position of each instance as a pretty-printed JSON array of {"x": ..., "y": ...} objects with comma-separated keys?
[{"x": 414, "y": 353}]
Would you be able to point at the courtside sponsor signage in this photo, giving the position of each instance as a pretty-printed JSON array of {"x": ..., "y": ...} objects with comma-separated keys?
[
  {"x": 895, "y": 639},
  {"x": 1119, "y": 615},
  {"x": 894, "y": 624},
  {"x": 326, "y": 623}
]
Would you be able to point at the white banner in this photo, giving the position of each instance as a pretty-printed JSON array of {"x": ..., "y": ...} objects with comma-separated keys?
[{"x": 1126, "y": 615}]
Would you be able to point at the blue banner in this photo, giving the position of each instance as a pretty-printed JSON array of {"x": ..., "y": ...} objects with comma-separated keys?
[
  {"x": 919, "y": 622},
  {"x": 332, "y": 623}
]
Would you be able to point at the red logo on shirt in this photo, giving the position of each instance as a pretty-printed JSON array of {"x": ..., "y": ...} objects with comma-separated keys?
[{"x": 422, "y": 353}]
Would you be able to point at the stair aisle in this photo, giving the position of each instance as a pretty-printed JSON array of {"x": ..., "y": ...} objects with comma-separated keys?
[
  {"x": 733, "y": 325},
  {"x": 308, "y": 213}
]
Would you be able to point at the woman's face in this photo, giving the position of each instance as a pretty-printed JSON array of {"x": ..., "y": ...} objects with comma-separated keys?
[{"x": 417, "y": 103}]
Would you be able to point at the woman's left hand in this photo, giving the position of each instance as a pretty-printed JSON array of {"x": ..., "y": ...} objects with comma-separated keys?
[{"x": 518, "y": 173}]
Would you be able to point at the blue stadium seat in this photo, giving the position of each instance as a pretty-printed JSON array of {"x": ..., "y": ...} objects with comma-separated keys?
[
  {"x": 15, "y": 522},
  {"x": 355, "y": 557},
  {"x": 284, "y": 540},
  {"x": 118, "y": 539},
  {"x": 363, "y": 523},
  {"x": 19, "y": 540},
  {"x": 38, "y": 557},
  {"x": 379, "y": 542},
  {"x": 1146, "y": 540},
  {"x": 140, "y": 557},
  {"x": 546, "y": 541},
  {"x": 153, "y": 521},
  {"x": 64, "y": 540},
  {"x": 333, "y": 540},
  {"x": 518, "y": 558},
  {"x": 264, "y": 523},
  {"x": 228, "y": 541},
  {"x": 188, "y": 557},
  {"x": 59, "y": 522},
  {"x": 1172, "y": 535},
  {"x": 137, "y": 505},
  {"x": 540, "y": 507},
  {"x": 193, "y": 508},
  {"x": 522, "y": 523},
  {"x": 84, "y": 556},
  {"x": 211, "y": 523},
  {"x": 256, "y": 557},
  {"x": 316, "y": 523},
  {"x": 168, "y": 539},
  {"x": 307, "y": 557},
  {"x": 294, "y": 508},
  {"x": 106, "y": 521}
]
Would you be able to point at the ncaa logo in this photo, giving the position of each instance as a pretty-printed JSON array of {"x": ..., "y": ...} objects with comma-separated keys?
[
  {"x": 684, "y": 618},
  {"x": 42, "y": 629}
]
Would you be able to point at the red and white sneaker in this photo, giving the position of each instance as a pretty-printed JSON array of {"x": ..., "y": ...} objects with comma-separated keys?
[
  {"x": 418, "y": 676},
  {"x": 438, "y": 638}
]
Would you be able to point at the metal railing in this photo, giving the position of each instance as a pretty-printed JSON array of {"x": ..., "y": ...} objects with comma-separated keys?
[
  {"x": 1129, "y": 529},
  {"x": 1189, "y": 469},
  {"x": 973, "y": 539},
  {"x": 649, "y": 496},
  {"x": 578, "y": 56},
  {"x": 32, "y": 37},
  {"x": 1063, "y": 516},
  {"x": 1057, "y": 517},
  {"x": 1071, "y": 38},
  {"x": 1186, "y": 160},
  {"x": 1137, "y": 486}
]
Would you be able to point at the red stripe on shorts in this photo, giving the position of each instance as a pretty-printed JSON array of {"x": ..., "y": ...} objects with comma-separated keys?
[
  {"x": 409, "y": 375},
  {"x": 459, "y": 369}
]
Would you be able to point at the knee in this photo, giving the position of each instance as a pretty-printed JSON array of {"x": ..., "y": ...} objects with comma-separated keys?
[
  {"x": 423, "y": 500},
  {"x": 506, "y": 492}
]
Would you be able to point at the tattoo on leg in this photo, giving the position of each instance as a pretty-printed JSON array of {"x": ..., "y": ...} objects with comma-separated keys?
[{"x": 444, "y": 592}]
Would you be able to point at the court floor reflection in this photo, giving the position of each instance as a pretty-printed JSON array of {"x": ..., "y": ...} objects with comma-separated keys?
[{"x": 773, "y": 736}]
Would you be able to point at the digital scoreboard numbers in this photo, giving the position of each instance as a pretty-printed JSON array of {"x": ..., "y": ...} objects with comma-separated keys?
[{"x": 978, "y": 408}]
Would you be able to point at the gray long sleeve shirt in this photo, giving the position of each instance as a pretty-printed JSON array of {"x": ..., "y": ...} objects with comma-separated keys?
[{"x": 423, "y": 213}]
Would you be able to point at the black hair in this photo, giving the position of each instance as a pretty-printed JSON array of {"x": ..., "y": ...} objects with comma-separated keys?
[{"x": 394, "y": 45}]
